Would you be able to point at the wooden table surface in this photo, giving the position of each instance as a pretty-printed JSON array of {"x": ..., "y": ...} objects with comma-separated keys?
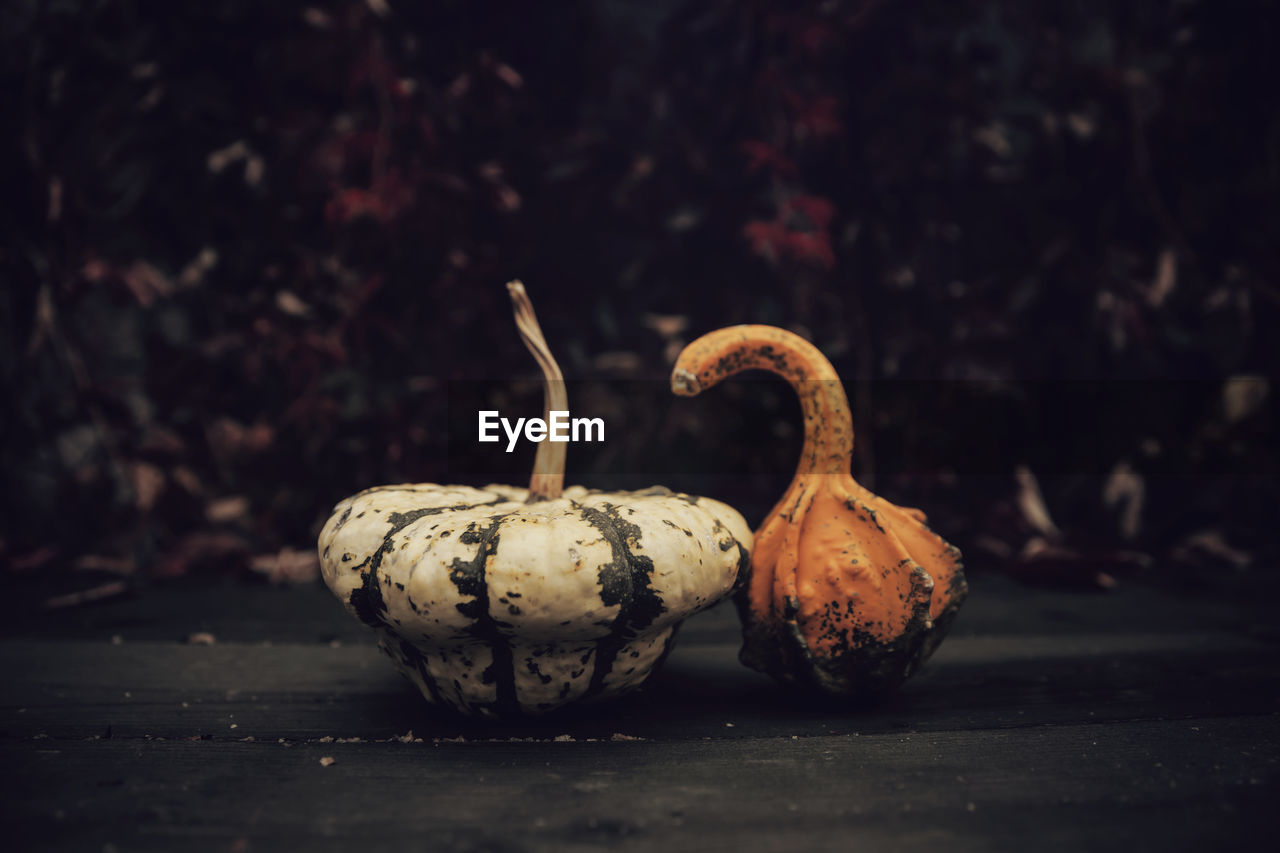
[{"x": 1139, "y": 719}]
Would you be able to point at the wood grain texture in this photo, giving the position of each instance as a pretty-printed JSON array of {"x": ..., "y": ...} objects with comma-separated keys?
[
  {"x": 231, "y": 691},
  {"x": 1046, "y": 722},
  {"x": 1108, "y": 787}
]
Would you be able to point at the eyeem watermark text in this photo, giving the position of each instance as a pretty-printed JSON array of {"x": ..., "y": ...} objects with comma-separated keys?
[{"x": 559, "y": 427}]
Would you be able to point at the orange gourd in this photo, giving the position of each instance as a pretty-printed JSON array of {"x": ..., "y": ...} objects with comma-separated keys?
[{"x": 847, "y": 592}]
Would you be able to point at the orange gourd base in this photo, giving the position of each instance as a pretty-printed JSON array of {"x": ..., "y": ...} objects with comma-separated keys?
[{"x": 847, "y": 592}]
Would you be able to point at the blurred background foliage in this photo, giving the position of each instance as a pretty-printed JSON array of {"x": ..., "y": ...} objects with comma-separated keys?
[{"x": 252, "y": 249}]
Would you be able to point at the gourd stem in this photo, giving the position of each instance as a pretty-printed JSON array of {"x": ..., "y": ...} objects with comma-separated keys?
[
  {"x": 547, "y": 482},
  {"x": 828, "y": 425}
]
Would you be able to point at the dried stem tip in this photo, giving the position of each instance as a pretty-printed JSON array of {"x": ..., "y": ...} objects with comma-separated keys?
[{"x": 547, "y": 481}]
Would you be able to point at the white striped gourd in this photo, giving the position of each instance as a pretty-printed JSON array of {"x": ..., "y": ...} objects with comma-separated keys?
[{"x": 502, "y": 601}]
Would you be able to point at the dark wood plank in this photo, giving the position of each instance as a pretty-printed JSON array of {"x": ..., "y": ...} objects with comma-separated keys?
[
  {"x": 1155, "y": 785},
  {"x": 1140, "y": 720},
  {"x": 230, "y": 691}
]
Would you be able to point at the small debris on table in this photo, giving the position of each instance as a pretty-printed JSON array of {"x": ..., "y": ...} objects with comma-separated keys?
[
  {"x": 327, "y": 761},
  {"x": 201, "y": 638}
]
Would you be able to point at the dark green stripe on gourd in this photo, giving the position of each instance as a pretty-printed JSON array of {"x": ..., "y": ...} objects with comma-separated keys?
[
  {"x": 625, "y": 582},
  {"x": 367, "y": 602},
  {"x": 418, "y": 662},
  {"x": 470, "y": 580}
]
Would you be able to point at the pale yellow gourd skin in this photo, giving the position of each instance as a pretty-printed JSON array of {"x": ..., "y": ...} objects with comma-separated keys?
[
  {"x": 495, "y": 606},
  {"x": 848, "y": 592}
]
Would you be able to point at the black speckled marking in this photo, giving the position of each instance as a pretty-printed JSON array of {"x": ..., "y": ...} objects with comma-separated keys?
[
  {"x": 343, "y": 520},
  {"x": 624, "y": 581},
  {"x": 862, "y": 664},
  {"x": 366, "y": 600},
  {"x": 419, "y": 662},
  {"x": 646, "y": 604},
  {"x": 469, "y": 578},
  {"x": 957, "y": 592}
]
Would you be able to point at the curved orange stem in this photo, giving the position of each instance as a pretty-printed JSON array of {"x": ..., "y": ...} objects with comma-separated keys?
[{"x": 828, "y": 426}]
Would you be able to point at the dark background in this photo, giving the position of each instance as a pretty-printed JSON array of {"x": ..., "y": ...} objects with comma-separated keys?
[{"x": 254, "y": 254}]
